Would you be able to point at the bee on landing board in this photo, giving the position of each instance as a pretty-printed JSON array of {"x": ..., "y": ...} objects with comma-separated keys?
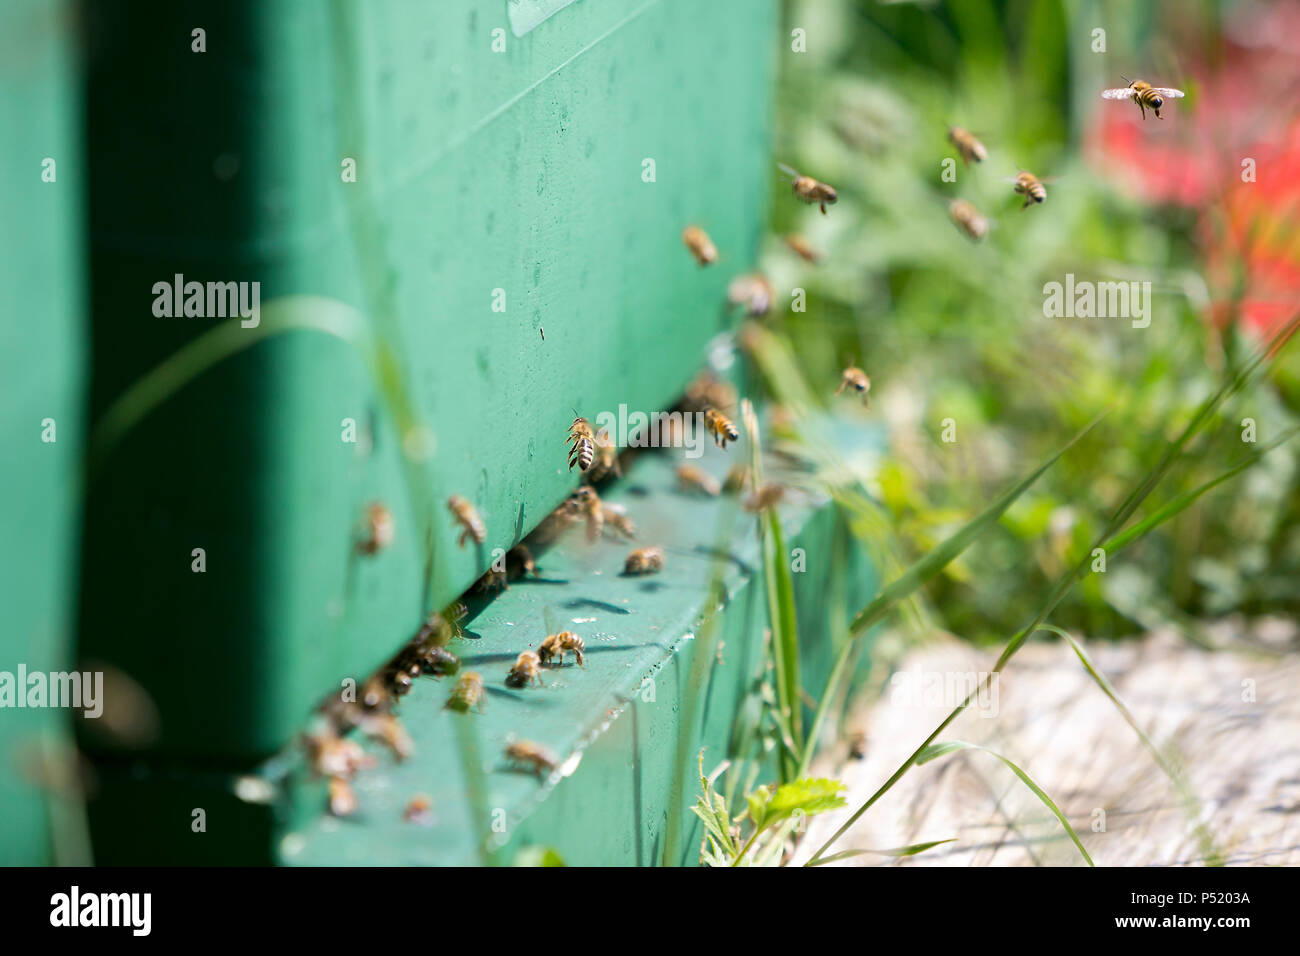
[
  {"x": 809, "y": 190},
  {"x": 617, "y": 521},
  {"x": 968, "y": 219},
  {"x": 700, "y": 245},
  {"x": 557, "y": 645},
  {"x": 857, "y": 380},
  {"x": 644, "y": 561},
  {"x": 526, "y": 752},
  {"x": 582, "y": 442},
  {"x": 968, "y": 147},
  {"x": 605, "y": 459},
  {"x": 470, "y": 523},
  {"x": 1145, "y": 95},
  {"x": 1031, "y": 187},
  {"x": 527, "y": 670},
  {"x": 467, "y": 694},
  {"x": 378, "y": 529},
  {"x": 720, "y": 427},
  {"x": 584, "y": 503}
]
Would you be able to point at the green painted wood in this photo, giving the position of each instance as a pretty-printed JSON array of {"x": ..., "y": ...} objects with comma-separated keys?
[
  {"x": 615, "y": 806},
  {"x": 41, "y": 357},
  {"x": 476, "y": 171}
]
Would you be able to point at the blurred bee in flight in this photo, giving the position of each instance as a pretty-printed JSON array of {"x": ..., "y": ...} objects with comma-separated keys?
[
  {"x": 968, "y": 219},
  {"x": 857, "y": 380},
  {"x": 812, "y": 191},
  {"x": 528, "y": 753},
  {"x": 378, "y": 529},
  {"x": 1144, "y": 94},
  {"x": 803, "y": 248},
  {"x": 1031, "y": 187},
  {"x": 700, "y": 245},
  {"x": 471, "y": 524},
  {"x": 968, "y": 147}
]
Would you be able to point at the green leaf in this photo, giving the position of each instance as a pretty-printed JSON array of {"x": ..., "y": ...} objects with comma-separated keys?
[
  {"x": 809, "y": 796},
  {"x": 935, "y": 751},
  {"x": 538, "y": 856}
]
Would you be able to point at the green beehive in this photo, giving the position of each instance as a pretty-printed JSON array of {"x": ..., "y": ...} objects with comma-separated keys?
[
  {"x": 465, "y": 221},
  {"x": 41, "y": 339}
]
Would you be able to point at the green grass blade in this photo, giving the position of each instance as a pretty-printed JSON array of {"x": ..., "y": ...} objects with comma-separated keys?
[
  {"x": 938, "y": 750},
  {"x": 898, "y": 851}
]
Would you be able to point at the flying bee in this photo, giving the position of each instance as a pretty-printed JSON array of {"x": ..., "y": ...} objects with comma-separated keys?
[
  {"x": 690, "y": 478},
  {"x": 605, "y": 461},
  {"x": 803, "y": 248},
  {"x": 526, "y": 670},
  {"x": 419, "y": 810},
  {"x": 557, "y": 645},
  {"x": 857, "y": 380},
  {"x": 1031, "y": 187},
  {"x": 810, "y": 190},
  {"x": 1145, "y": 95},
  {"x": 753, "y": 291},
  {"x": 737, "y": 480},
  {"x": 720, "y": 427},
  {"x": 707, "y": 389},
  {"x": 769, "y": 496},
  {"x": 583, "y": 442},
  {"x": 968, "y": 147},
  {"x": 644, "y": 561},
  {"x": 468, "y": 693},
  {"x": 378, "y": 529},
  {"x": 968, "y": 219},
  {"x": 471, "y": 524},
  {"x": 701, "y": 246},
  {"x": 527, "y": 752}
]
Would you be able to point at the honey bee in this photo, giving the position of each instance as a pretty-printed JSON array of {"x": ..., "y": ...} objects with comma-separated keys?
[
  {"x": 493, "y": 580},
  {"x": 333, "y": 756},
  {"x": 970, "y": 149},
  {"x": 690, "y": 478},
  {"x": 753, "y": 291},
  {"x": 399, "y": 680},
  {"x": 803, "y": 249},
  {"x": 376, "y": 692},
  {"x": 468, "y": 693},
  {"x": 436, "y": 660},
  {"x": 707, "y": 389},
  {"x": 585, "y": 503},
  {"x": 701, "y": 246},
  {"x": 388, "y": 730},
  {"x": 1144, "y": 94},
  {"x": 379, "y": 529},
  {"x": 1031, "y": 187},
  {"x": 557, "y": 645},
  {"x": 644, "y": 561},
  {"x": 526, "y": 670},
  {"x": 856, "y": 379},
  {"x": 769, "y": 496},
  {"x": 737, "y": 480},
  {"x": 342, "y": 800},
  {"x": 419, "y": 809},
  {"x": 583, "y": 442},
  {"x": 468, "y": 519},
  {"x": 616, "y": 520},
  {"x": 968, "y": 219},
  {"x": 527, "y": 752},
  {"x": 606, "y": 457},
  {"x": 720, "y": 427},
  {"x": 810, "y": 190}
]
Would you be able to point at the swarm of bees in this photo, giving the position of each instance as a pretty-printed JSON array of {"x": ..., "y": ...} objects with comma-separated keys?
[{"x": 1144, "y": 95}]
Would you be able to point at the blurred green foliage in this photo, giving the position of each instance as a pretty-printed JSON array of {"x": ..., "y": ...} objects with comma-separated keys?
[{"x": 951, "y": 329}]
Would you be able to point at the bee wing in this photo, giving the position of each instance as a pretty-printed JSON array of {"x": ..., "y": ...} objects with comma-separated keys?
[
  {"x": 550, "y": 621},
  {"x": 1167, "y": 93},
  {"x": 1122, "y": 93},
  {"x": 792, "y": 173}
]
